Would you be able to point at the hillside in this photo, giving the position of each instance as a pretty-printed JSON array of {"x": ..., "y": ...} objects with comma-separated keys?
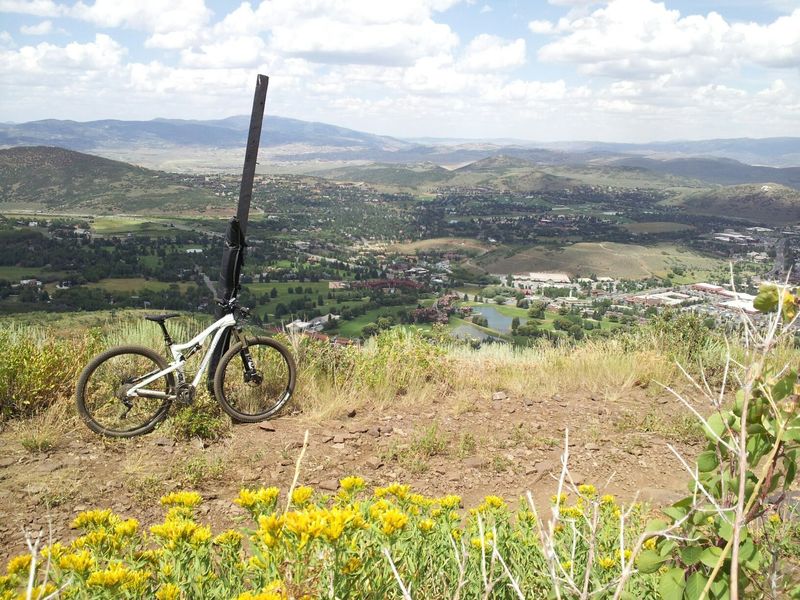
[
  {"x": 769, "y": 203},
  {"x": 721, "y": 171},
  {"x": 41, "y": 177}
]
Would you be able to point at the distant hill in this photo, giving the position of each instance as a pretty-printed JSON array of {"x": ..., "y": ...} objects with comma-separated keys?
[
  {"x": 723, "y": 171},
  {"x": 41, "y": 177},
  {"x": 768, "y": 203}
]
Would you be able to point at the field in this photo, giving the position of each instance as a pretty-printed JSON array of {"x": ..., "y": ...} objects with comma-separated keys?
[
  {"x": 452, "y": 244},
  {"x": 604, "y": 259},
  {"x": 136, "y": 283},
  {"x": 656, "y": 227}
]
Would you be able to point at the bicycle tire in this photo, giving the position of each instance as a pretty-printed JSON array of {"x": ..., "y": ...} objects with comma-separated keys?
[
  {"x": 95, "y": 382},
  {"x": 234, "y": 393}
]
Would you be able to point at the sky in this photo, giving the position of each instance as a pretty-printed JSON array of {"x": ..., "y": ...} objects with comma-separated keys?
[{"x": 542, "y": 70}]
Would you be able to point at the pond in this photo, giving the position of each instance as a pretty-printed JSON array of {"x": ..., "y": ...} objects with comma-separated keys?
[{"x": 497, "y": 321}]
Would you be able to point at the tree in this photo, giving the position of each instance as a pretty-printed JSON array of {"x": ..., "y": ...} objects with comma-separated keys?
[
  {"x": 536, "y": 310},
  {"x": 514, "y": 323},
  {"x": 273, "y": 293},
  {"x": 369, "y": 330}
]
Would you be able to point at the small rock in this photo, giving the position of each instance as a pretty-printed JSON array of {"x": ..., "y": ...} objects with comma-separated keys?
[
  {"x": 266, "y": 427},
  {"x": 330, "y": 485},
  {"x": 80, "y": 508},
  {"x": 591, "y": 447},
  {"x": 386, "y": 429},
  {"x": 198, "y": 444},
  {"x": 374, "y": 462},
  {"x": 474, "y": 462},
  {"x": 374, "y": 432},
  {"x": 7, "y": 462},
  {"x": 327, "y": 438},
  {"x": 338, "y": 439},
  {"x": 351, "y": 413},
  {"x": 163, "y": 441},
  {"x": 358, "y": 429},
  {"x": 499, "y": 396}
]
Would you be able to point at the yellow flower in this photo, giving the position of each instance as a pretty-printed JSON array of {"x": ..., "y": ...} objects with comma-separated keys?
[
  {"x": 450, "y": 501},
  {"x": 559, "y": 499},
  {"x": 81, "y": 562},
  {"x": 380, "y": 492},
  {"x": 379, "y": 507},
  {"x": 626, "y": 554},
  {"x": 229, "y": 538},
  {"x": 607, "y": 562},
  {"x": 93, "y": 539},
  {"x": 426, "y": 525},
  {"x": 261, "y": 500},
  {"x": 301, "y": 495},
  {"x": 392, "y": 521},
  {"x": 607, "y": 499},
  {"x": 650, "y": 543},
  {"x": 175, "y": 531},
  {"x": 19, "y": 564},
  {"x": 187, "y": 499},
  {"x": 774, "y": 518},
  {"x": 53, "y": 552},
  {"x": 273, "y": 591},
  {"x": 137, "y": 582},
  {"x": 398, "y": 490},
  {"x": 485, "y": 543},
  {"x": 571, "y": 512},
  {"x": 494, "y": 502},
  {"x": 115, "y": 574},
  {"x": 95, "y": 518},
  {"x": 587, "y": 489},
  {"x": 566, "y": 565},
  {"x": 168, "y": 591},
  {"x": 126, "y": 528},
  {"x": 456, "y": 533},
  {"x": 352, "y": 483},
  {"x": 351, "y": 566},
  {"x": 40, "y": 591}
]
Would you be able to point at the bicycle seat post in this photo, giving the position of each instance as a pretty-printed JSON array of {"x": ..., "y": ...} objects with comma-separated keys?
[{"x": 167, "y": 338}]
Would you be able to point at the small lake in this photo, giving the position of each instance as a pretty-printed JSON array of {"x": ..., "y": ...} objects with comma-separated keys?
[{"x": 496, "y": 321}]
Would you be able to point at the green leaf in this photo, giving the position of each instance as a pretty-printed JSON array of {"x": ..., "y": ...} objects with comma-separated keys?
[
  {"x": 649, "y": 561},
  {"x": 655, "y": 525},
  {"x": 720, "y": 590},
  {"x": 676, "y": 513},
  {"x": 671, "y": 584},
  {"x": 792, "y": 432},
  {"x": 690, "y": 555},
  {"x": 707, "y": 461},
  {"x": 767, "y": 299},
  {"x": 695, "y": 585},
  {"x": 785, "y": 386},
  {"x": 710, "y": 556},
  {"x": 717, "y": 425}
]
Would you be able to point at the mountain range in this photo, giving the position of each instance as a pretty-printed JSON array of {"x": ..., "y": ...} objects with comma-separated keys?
[{"x": 195, "y": 145}]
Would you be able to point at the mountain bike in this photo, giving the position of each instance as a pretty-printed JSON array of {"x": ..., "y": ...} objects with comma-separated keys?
[{"x": 127, "y": 390}]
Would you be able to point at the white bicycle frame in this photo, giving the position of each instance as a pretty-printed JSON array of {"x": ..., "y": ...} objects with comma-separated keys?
[{"x": 179, "y": 360}]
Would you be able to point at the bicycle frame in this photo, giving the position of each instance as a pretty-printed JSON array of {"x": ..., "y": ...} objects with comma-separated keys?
[{"x": 179, "y": 359}]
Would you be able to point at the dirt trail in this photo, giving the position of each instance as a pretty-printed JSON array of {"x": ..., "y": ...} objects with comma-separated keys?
[{"x": 479, "y": 446}]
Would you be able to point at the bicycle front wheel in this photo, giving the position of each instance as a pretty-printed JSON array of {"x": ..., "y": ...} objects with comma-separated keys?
[
  {"x": 102, "y": 399},
  {"x": 255, "y": 394}
]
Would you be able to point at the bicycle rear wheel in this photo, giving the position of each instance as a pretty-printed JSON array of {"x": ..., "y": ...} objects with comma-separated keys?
[
  {"x": 101, "y": 393},
  {"x": 261, "y": 393}
]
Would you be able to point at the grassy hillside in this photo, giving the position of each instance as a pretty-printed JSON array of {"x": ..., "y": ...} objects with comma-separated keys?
[
  {"x": 45, "y": 177},
  {"x": 768, "y": 203}
]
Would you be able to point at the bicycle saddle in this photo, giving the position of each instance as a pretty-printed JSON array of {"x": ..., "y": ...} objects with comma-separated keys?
[{"x": 161, "y": 318}]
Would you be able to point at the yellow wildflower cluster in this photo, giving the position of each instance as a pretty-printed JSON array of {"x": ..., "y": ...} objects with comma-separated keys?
[
  {"x": 301, "y": 495},
  {"x": 19, "y": 564},
  {"x": 80, "y": 562},
  {"x": 587, "y": 489},
  {"x": 168, "y": 591},
  {"x": 273, "y": 591},
  {"x": 91, "y": 519},
  {"x": 258, "y": 501},
  {"x": 352, "y": 484},
  {"x": 118, "y": 575},
  {"x": 187, "y": 499},
  {"x": 607, "y": 562},
  {"x": 449, "y": 501},
  {"x": 176, "y": 531},
  {"x": 393, "y": 521},
  {"x": 229, "y": 538}
]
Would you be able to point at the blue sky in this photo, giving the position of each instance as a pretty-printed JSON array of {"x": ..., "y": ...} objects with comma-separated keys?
[{"x": 615, "y": 70}]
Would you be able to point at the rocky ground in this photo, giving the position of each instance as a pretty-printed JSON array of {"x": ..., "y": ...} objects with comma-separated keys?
[{"x": 472, "y": 447}]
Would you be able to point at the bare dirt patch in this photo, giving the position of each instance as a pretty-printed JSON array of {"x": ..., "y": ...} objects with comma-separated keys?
[{"x": 472, "y": 446}]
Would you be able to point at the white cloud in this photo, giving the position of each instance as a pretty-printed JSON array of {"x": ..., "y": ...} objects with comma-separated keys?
[
  {"x": 489, "y": 53},
  {"x": 485, "y": 9},
  {"x": 643, "y": 39},
  {"x": 100, "y": 55},
  {"x": 42, "y": 28},
  {"x": 38, "y": 8}
]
